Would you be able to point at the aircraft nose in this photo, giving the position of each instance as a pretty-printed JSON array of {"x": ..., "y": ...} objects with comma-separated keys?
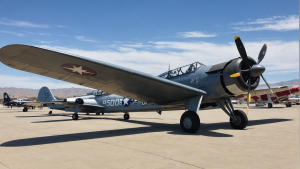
[
  {"x": 295, "y": 89},
  {"x": 257, "y": 70}
]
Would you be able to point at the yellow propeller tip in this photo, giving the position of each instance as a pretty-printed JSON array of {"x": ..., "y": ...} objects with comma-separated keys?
[
  {"x": 235, "y": 75},
  {"x": 236, "y": 37},
  {"x": 266, "y": 45},
  {"x": 271, "y": 90}
]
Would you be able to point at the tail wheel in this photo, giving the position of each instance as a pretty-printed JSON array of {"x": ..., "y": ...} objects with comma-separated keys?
[
  {"x": 241, "y": 122},
  {"x": 190, "y": 122}
]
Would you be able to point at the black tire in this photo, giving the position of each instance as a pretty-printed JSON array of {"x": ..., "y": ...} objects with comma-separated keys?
[
  {"x": 50, "y": 112},
  {"x": 126, "y": 116},
  {"x": 242, "y": 120},
  {"x": 102, "y": 113},
  {"x": 75, "y": 116},
  {"x": 87, "y": 113},
  {"x": 190, "y": 122},
  {"x": 270, "y": 105},
  {"x": 297, "y": 103},
  {"x": 24, "y": 110},
  {"x": 97, "y": 113}
]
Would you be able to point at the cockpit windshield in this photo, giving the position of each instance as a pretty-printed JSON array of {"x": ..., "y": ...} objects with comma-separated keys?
[
  {"x": 97, "y": 93},
  {"x": 181, "y": 70}
]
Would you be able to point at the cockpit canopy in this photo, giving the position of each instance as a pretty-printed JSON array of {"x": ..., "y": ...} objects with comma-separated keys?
[
  {"x": 181, "y": 70},
  {"x": 97, "y": 93}
]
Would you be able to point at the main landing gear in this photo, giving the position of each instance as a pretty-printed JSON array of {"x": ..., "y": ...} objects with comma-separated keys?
[
  {"x": 25, "y": 109},
  {"x": 190, "y": 122},
  {"x": 288, "y": 105},
  {"x": 50, "y": 112},
  {"x": 75, "y": 115},
  {"x": 270, "y": 105},
  {"x": 126, "y": 116},
  {"x": 238, "y": 118}
]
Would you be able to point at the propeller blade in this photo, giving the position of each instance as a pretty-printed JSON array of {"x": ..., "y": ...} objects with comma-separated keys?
[
  {"x": 241, "y": 49},
  {"x": 236, "y": 74},
  {"x": 266, "y": 83},
  {"x": 248, "y": 95},
  {"x": 262, "y": 53}
]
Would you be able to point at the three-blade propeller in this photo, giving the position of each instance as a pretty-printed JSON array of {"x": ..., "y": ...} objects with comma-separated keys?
[{"x": 255, "y": 70}]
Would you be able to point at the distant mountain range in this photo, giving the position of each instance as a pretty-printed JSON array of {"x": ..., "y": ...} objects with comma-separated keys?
[
  {"x": 294, "y": 82},
  {"x": 69, "y": 92},
  {"x": 60, "y": 93}
]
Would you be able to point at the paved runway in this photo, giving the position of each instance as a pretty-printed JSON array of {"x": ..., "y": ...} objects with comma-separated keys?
[{"x": 35, "y": 139}]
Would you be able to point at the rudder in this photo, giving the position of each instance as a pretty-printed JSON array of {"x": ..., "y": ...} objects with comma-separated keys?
[
  {"x": 45, "y": 95},
  {"x": 6, "y": 97}
]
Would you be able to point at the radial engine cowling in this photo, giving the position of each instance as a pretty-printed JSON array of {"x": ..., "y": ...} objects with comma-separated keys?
[{"x": 238, "y": 85}]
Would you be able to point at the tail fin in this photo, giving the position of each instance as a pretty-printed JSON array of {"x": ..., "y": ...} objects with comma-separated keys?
[
  {"x": 45, "y": 95},
  {"x": 6, "y": 97}
]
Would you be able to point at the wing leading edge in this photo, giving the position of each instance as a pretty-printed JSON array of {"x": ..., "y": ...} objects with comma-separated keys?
[{"x": 96, "y": 74}]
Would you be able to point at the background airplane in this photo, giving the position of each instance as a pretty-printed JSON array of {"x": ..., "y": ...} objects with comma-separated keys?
[
  {"x": 280, "y": 94},
  {"x": 188, "y": 88},
  {"x": 7, "y": 101}
]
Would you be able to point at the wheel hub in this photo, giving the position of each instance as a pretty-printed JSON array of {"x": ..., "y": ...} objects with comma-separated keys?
[
  {"x": 187, "y": 123},
  {"x": 238, "y": 120}
]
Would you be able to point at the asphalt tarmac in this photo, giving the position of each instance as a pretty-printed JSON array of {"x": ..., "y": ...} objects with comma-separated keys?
[{"x": 35, "y": 139}]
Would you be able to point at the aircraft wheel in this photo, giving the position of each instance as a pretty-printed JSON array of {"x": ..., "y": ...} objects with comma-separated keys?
[
  {"x": 288, "y": 105},
  {"x": 97, "y": 113},
  {"x": 297, "y": 103},
  {"x": 270, "y": 105},
  {"x": 126, "y": 116},
  {"x": 50, "y": 112},
  {"x": 190, "y": 122},
  {"x": 75, "y": 116},
  {"x": 87, "y": 113},
  {"x": 24, "y": 110},
  {"x": 242, "y": 120},
  {"x": 102, "y": 113}
]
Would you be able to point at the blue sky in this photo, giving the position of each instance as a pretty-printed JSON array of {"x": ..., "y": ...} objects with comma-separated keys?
[{"x": 147, "y": 35}]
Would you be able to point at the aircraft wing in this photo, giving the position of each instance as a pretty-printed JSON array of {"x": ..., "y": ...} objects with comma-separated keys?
[
  {"x": 258, "y": 92},
  {"x": 96, "y": 74}
]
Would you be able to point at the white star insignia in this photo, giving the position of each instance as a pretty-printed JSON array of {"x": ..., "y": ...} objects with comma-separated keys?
[
  {"x": 78, "y": 70},
  {"x": 126, "y": 101}
]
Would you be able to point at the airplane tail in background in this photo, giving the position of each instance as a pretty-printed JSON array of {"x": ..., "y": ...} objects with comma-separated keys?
[
  {"x": 6, "y": 98},
  {"x": 45, "y": 95}
]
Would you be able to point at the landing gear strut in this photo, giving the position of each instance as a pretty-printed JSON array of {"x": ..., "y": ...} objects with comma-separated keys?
[
  {"x": 238, "y": 118},
  {"x": 126, "y": 116}
]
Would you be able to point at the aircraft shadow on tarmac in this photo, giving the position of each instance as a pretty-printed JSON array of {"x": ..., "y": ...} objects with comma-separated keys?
[{"x": 205, "y": 130}]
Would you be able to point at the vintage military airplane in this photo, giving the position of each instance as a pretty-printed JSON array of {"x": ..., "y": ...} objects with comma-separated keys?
[
  {"x": 190, "y": 87},
  {"x": 26, "y": 102}
]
